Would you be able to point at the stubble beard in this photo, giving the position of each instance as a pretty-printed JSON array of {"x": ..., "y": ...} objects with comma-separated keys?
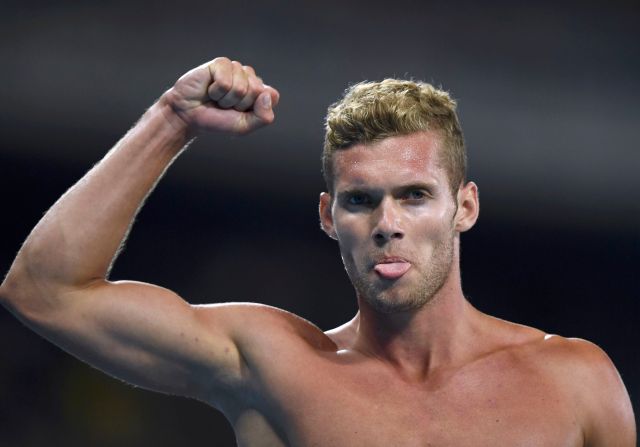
[{"x": 389, "y": 300}]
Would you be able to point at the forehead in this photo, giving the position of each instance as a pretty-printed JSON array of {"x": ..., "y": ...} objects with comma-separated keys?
[{"x": 398, "y": 159}]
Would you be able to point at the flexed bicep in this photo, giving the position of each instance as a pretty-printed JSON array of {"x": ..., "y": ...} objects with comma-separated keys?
[{"x": 148, "y": 336}]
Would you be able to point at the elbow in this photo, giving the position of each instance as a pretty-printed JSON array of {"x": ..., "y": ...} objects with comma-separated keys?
[
  {"x": 19, "y": 294},
  {"x": 9, "y": 292},
  {"x": 5, "y": 294}
]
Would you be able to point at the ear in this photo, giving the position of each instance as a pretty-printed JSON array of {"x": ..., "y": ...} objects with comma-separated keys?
[
  {"x": 468, "y": 207},
  {"x": 326, "y": 219}
]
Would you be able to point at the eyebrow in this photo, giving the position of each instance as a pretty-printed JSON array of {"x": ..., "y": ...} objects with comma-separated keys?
[
  {"x": 356, "y": 190},
  {"x": 430, "y": 187}
]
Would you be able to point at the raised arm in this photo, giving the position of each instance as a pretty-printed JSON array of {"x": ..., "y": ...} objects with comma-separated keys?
[{"x": 58, "y": 284}]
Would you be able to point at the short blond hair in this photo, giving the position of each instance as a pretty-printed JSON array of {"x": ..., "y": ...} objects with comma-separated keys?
[{"x": 372, "y": 111}]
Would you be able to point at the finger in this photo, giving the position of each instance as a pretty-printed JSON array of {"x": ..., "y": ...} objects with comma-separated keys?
[
  {"x": 255, "y": 88},
  {"x": 221, "y": 71},
  {"x": 275, "y": 95},
  {"x": 239, "y": 88},
  {"x": 249, "y": 70},
  {"x": 262, "y": 113}
]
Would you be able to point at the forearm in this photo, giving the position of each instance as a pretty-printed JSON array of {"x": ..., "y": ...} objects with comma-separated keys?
[
  {"x": 77, "y": 239},
  {"x": 74, "y": 244}
]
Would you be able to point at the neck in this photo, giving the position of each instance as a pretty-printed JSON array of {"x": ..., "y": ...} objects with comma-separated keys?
[{"x": 419, "y": 341}]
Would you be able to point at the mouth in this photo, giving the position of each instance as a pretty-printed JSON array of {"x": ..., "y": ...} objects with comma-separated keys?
[{"x": 391, "y": 267}]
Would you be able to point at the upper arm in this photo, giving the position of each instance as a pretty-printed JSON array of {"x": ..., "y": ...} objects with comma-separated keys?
[
  {"x": 147, "y": 336},
  {"x": 603, "y": 400}
]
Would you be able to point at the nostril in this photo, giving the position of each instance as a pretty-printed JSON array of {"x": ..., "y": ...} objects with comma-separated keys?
[{"x": 382, "y": 236}]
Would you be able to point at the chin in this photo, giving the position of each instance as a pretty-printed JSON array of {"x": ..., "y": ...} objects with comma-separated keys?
[
  {"x": 395, "y": 299},
  {"x": 403, "y": 295}
]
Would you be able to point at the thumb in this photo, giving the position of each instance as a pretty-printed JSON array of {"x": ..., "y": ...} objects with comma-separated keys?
[{"x": 263, "y": 110}]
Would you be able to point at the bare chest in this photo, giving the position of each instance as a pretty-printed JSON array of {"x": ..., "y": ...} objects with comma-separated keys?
[{"x": 338, "y": 406}]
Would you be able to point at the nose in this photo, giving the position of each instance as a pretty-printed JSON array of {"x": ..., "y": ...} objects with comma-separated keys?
[{"x": 388, "y": 223}]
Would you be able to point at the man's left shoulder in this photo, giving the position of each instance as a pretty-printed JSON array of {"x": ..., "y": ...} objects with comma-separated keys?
[
  {"x": 589, "y": 376},
  {"x": 580, "y": 360}
]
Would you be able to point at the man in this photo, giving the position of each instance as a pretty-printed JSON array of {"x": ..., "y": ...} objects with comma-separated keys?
[{"x": 417, "y": 366}]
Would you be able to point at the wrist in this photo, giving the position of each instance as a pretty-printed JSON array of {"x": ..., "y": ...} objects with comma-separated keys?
[
  {"x": 166, "y": 107},
  {"x": 159, "y": 131}
]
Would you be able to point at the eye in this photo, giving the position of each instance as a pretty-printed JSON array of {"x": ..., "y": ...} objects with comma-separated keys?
[
  {"x": 416, "y": 194},
  {"x": 358, "y": 199}
]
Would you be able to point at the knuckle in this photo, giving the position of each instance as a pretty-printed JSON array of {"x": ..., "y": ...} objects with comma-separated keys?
[
  {"x": 254, "y": 92},
  {"x": 254, "y": 88},
  {"x": 240, "y": 91},
  {"x": 224, "y": 84},
  {"x": 220, "y": 61},
  {"x": 254, "y": 81}
]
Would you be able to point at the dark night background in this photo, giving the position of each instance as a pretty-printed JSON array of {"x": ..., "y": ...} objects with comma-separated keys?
[{"x": 548, "y": 97}]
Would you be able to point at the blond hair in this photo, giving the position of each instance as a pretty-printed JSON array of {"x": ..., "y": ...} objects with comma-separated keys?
[{"x": 372, "y": 111}]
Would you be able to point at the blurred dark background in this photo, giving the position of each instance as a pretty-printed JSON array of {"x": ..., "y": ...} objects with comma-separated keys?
[{"x": 548, "y": 96}]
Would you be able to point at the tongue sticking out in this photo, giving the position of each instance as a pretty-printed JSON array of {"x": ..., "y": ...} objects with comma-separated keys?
[{"x": 392, "y": 270}]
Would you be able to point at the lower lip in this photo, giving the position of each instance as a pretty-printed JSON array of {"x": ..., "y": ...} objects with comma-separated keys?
[{"x": 392, "y": 270}]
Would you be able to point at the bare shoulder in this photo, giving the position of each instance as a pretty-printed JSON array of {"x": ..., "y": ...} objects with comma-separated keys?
[
  {"x": 581, "y": 363},
  {"x": 264, "y": 341},
  {"x": 253, "y": 324},
  {"x": 593, "y": 383}
]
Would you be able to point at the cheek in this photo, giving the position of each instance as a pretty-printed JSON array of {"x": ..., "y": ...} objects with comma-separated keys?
[
  {"x": 435, "y": 228},
  {"x": 436, "y": 234},
  {"x": 348, "y": 228},
  {"x": 353, "y": 235},
  {"x": 429, "y": 233},
  {"x": 438, "y": 222}
]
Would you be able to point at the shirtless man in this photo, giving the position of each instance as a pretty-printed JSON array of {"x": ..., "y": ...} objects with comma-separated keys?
[{"x": 419, "y": 366}]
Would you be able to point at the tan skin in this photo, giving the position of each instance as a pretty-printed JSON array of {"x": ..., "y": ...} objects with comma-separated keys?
[{"x": 436, "y": 374}]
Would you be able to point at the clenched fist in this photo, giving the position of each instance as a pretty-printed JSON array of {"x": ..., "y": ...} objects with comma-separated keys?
[{"x": 221, "y": 95}]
